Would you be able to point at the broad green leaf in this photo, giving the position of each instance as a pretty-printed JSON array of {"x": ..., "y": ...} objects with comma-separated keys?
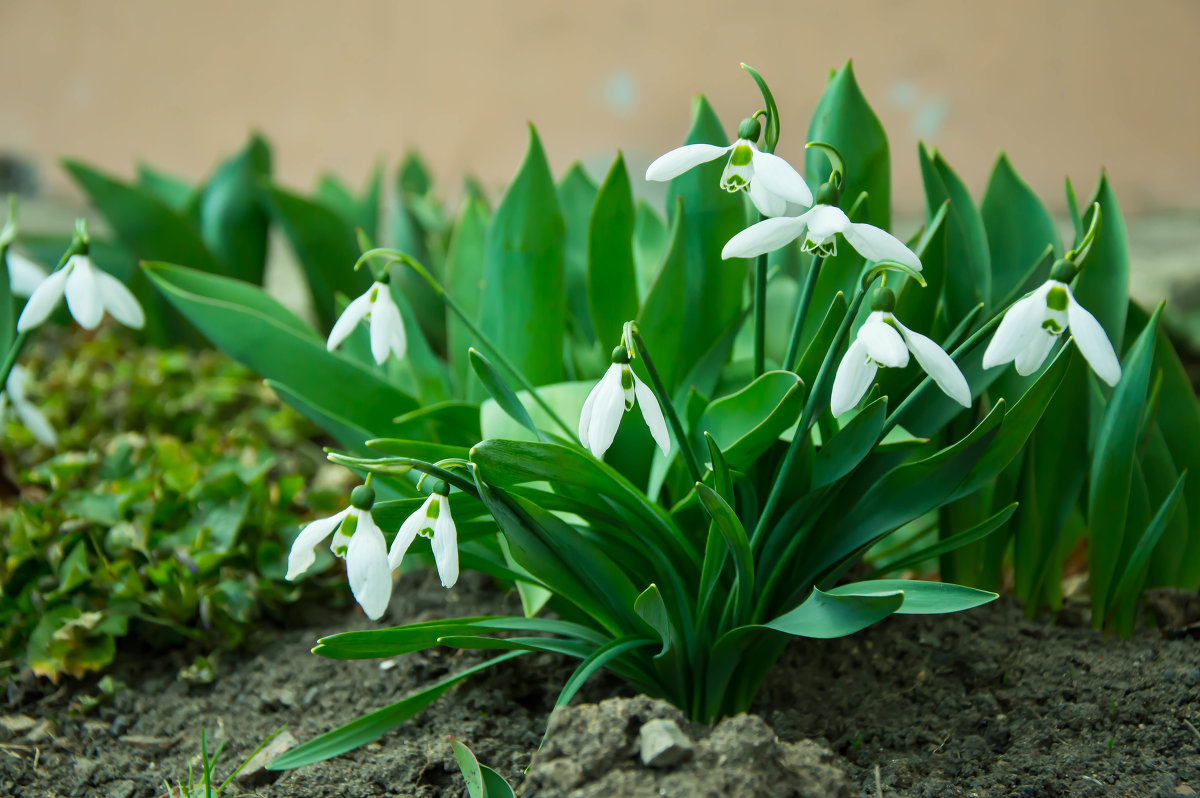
[
  {"x": 469, "y": 766},
  {"x": 916, "y": 305},
  {"x": 611, "y": 274},
  {"x": 825, "y": 616},
  {"x": 661, "y": 320},
  {"x": 599, "y": 658},
  {"x": 326, "y": 246},
  {"x": 418, "y": 228},
  {"x": 822, "y": 341},
  {"x": 736, "y": 540},
  {"x": 346, "y": 431},
  {"x": 746, "y": 423},
  {"x": 397, "y": 640},
  {"x": 464, "y": 283},
  {"x": 1134, "y": 572},
  {"x": 446, "y": 422},
  {"x": 8, "y": 321},
  {"x": 576, "y": 197},
  {"x": 248, "y": 325},
  {"x": 1161, "y": 474},
  {"x": 650, "y": 608},
  {"x": 712, "y": 287},
  {"x": 1017, "y": 225},
  {"x": 844, "y": 119},
  {"x": 968, "y": 272},
  {"x": 378, "y": 723},
  {"x": 1103, "y": 285},
  {"x": 850, "y": 445},
  {"x": 500, "y": 392},
  {"x": 949, "y": 544},
  {"x": 416, "y": 450},
  {"x": 178, "y": 194},
  {"x": 920, "y": 598},
  {"x": 523, "y": 307},
  {"x": 361, "y": 213},
  {"x": 650, "y": 243},
  {"x": 233, "y": 222},
  {"x": 567, "y": 398},
  {"x": 1112, "y": 470}
]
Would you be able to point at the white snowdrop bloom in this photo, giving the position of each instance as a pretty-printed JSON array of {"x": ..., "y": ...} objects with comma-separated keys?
[
  {"x": 820, "y": 227},
  {"x": 432, "y": 520},
  {"x": 617, "y": 392},
  {"x": 24, "y": 276},
  {"x": 884, "y": 341},
  {"x": 387, "y": 328},
  {"x": 90, "y": 291},
  {"x": 770, "y": 181},
  {"x": 27, "y": 414},
  {"x": 358, "y": 540},
  {"x": 1031, "y": 326}
]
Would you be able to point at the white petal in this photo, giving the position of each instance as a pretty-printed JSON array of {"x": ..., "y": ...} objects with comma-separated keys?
[
  {"x": 653, "y": 414},
  {"x": 24, "y": 276},
  {"x": 1030, "y": 359},
  {"x": 119, "y": 300},
  {"x": 938, "y": 365},
  {"x": 875, "y": 244},
  {"x": 826, "y": 221},
  {"x": 18, "y": 378},
  {"x": 1017, "y": 329},
  {"x": 779, "y": 178},
  {"x": 768, "y": 204},
  {"x": 585, "y": 415},
  {"x": 385, "y": 319},
  {"x": 35, "y": 422},
  {"x": 43, "y": 300},
  {"x": 367, "y": 567},
  {"x": 445, "y": 544},
  {"x": 854, "y": 377},
  {"x": 674, "y": 163},
  {"x": 83, "y": 294},
  {"x": 766, "y": 236},
  {"x": 349, "y": 319},
  {"x": 409, "y": 530},
  {"x": 302, "y": 555},
  {"x": 883, "y": 342},
  {"x": 1093, "y": 342},
  {"x": 607, "y": 410}
]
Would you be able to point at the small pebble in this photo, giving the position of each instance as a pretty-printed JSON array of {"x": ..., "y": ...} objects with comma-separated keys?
[{"x": 663, "y": 743}]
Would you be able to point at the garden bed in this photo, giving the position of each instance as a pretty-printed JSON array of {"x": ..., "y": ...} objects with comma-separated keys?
[{"x": 981, "y": 703}]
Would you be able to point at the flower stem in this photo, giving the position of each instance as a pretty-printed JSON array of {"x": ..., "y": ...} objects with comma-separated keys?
[
  {"x": 760, "y": 313},
  {"x": 415, "y": 265},
  {"x": 664, "y": 399},
  {"x": 802, "y": 303},
  {"x": 78, "y": 246}
]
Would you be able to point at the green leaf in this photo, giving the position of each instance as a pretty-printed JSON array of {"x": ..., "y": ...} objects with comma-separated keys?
[
  {"x": 1128, "y": 586},
  {"x": 371, "y": 727},
  {"x": 576, "y": 197},
  {"x": 611, "y": 274},
  {"x": 326, "y": 246},
  {"x": 566, "y": 398},
  {"x": 650, "y": 243},
  {"x": 825, "y": 616},
  {"x": 233, "y": 222},
  {"x": 176, "y": 193},
  {"x": 599, "y": 658},
  {"x": 850, "y": 445},
  {"x": 734, "y": 533},
  {"x": 915, "y": 304},
  {"x": 1112, "y": 470},
  {"x": 397, "y": 640},
  {"x": 500, "y": 392},
  {"x": 920, "y": 598},
  {"x": 248, "y": 325},
  {"x": 469, "y": 766},
  {"x": 464, "y": 281},
  {"x": 844, "y": 119},
  {"x": 746, "y": 423},
  {"x": 771, "y": 132},
  {"x": 949, "y": 544},
  {"x": 969, "y": 274},
  {"x": 523, "y": 308},
  {"x": 8, "y": 321},
  {"x": 650, "y": 607},
  {"x": 1017, "y": 225},
  {"x": 447, "y": 422},
  {"x": 1103, "y": 285},
  {"x": 661, "y": 319}
]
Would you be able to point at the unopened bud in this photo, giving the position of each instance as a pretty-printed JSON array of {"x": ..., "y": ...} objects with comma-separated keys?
[
  {"x": 884, "y": 299},
  {"x": 362, "y": 497},
  {"x": 750, "y": 129}
]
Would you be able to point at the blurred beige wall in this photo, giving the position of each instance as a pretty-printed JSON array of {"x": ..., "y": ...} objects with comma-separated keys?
[{"x": 1064, "y": 87}]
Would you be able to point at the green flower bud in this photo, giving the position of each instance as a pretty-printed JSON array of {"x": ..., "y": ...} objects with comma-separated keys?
[
  {"x": 750, "y": 129},
  {"x": 884, "y": 299},
  {"x": 829, "y": 194},
  {"x": 362, "y": 497},
  {"x": 1063, "y": 270},
  {"x": 441, "y": 488},
  {"x": 620, "y": 355}
]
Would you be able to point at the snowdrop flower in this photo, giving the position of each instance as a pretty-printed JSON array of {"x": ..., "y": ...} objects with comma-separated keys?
[
  {"x": 820, "y": 227},
  {"x": 387, "y": 328},
  {"x": 90, "y": 292},
  {"x": 617, "y": 392},
  {"x": 1032, "y": 325},
  {"x": 24, "y": 276},
  {"x": 432, "y": 520},
  {"x": 884, "y": 341},
  {"x": 770, "y": 181},
  {"x": 28, "y": 415},
  {"x": 359, "y": 540}
]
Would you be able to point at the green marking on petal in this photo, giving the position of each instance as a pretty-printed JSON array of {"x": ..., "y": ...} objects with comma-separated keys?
[
  {"x": 1052, "y": 327},
  {"x": 627, "y": 379},
  {"x": 1056, "y": 298},
  {"x": 741, "y": 156},
  {"x": 434, "y": 510}
]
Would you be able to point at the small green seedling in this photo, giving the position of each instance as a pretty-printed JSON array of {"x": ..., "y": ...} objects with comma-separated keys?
[
  {"x": 204, "y": 788},
  {"x": 482, "y": 781}
]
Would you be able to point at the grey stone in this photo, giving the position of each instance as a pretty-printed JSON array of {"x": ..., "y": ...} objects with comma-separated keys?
[
  {"x": 122, "y": 788},
  {"x": 255, "y": 774},
  {"x": 663, "y": 744}
]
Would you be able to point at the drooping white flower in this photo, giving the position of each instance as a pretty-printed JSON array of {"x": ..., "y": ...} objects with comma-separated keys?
[
  {"x": 770, "y": 181},
  {"x": 358, "y": 540},
  {"x": 387, "y": 328},
  {"x": 1031, "y": 326},
  {"x": 617, "y": 392},
  {"x": 884, "y": 341},
  {"x": 24, "y": 276},
  {"x": 90, "y": 292},
  {"x": 30, "y": 416},
  {"x": 820, "y": 227},
  {"x": 432, "y": 520}
]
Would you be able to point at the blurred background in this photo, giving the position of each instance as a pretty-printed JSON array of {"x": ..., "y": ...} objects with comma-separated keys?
[{"x": 1065, "y": 88}]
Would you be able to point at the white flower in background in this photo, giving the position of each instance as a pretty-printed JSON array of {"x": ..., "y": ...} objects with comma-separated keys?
[
  {"x": 90, "y": 292},
  {"x": 884, "y": 341},
  {"x": 820, "y": 227},
  {"x": 617, "y": 392},
  {"x": 432, "y": 520},
  {"x": 387, "y": 328},
  {"x": 28, "y": 415},
  {"x": 24, "y": 276},
  {"x": 358, "y": 539},
  {"x": 1032, "y": 325},
  {"x": 770, "y": 181}
]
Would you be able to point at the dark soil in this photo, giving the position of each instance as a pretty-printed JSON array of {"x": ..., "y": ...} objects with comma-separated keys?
[{"x": 983, "y": 703}]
